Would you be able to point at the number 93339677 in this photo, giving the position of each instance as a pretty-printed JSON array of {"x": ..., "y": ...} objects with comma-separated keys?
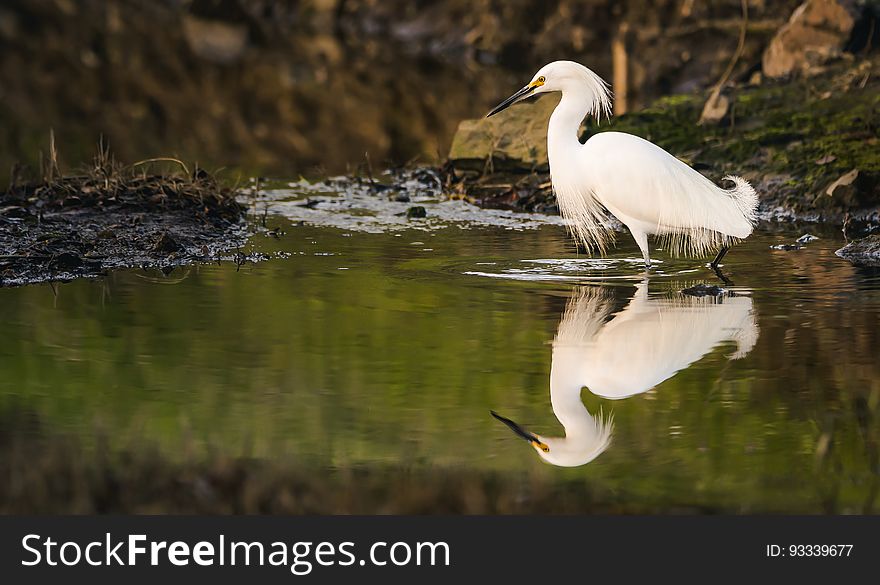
[{"x": 809, "y": 550}]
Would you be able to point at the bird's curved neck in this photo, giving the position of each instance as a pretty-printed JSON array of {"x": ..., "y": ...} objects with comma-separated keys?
[
  {"x": 565, "y": 399},
  {"x": 565, "y": 124}
]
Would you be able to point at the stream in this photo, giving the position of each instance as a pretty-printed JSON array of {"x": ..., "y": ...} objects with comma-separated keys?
[{"x": 373, "y": 340}]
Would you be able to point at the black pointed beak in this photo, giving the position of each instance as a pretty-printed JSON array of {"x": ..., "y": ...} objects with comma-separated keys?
[
  {"x": 521, "y": 94},
  {"x": 520, "y": 432}
]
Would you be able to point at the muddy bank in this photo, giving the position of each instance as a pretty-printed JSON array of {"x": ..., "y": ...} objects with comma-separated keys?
[
  {"x": 810, "y": 146},
  {"x": 112, "y": 217}
]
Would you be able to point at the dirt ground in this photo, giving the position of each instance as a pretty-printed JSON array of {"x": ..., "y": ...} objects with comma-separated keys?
[{"x": 110, "y": 217}]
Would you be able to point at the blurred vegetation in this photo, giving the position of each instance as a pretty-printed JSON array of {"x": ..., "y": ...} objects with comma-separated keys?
[{"x": 284, "y": 87}]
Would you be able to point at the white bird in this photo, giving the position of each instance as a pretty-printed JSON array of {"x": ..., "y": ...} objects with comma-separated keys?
[
  {"x": 650, "y": 191},
  {"x": 645, "y": 344}
]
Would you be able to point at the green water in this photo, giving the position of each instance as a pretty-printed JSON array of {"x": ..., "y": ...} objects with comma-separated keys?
[{"x": 387, "y": 351}]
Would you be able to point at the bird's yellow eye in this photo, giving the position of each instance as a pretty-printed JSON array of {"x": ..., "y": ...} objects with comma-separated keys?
[{"x": 542, "y": 79}]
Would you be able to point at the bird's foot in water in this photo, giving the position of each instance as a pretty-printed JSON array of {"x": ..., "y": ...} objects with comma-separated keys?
[{"x": 716, "y": 268}]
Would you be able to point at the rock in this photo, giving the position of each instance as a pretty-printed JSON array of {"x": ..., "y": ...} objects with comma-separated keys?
[
  {"x": 704, "y": 290},
  {"x": 816, "y": 33},
  {"x": 214, "y": 40},
  {"x": 515, "y": 139},
  {"x": 166, "y": 243},
  {"x": 65, "y": 261},
  {"x": 864, "y": 252},
  {"x": 715, "y": 109},
  {"x": 844, "y": 186},
  {"x": 855, "y": 227},
  {"x": 416, "y": 212},
  {"x": 855, "y": 189}
]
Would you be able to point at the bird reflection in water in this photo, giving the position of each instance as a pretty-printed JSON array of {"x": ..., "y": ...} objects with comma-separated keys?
[{"x": 647, "y": 342}]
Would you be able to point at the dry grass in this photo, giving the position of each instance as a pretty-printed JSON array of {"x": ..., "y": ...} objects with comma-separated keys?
[
  {"x": 155, "y": 213},
  {"x": 106, "y": 182}
]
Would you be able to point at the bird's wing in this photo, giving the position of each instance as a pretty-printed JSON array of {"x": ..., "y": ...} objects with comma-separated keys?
[{"x": 642, "y": 184}]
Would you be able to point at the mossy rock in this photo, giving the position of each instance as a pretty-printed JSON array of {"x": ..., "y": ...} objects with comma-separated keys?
[{"x": 515, "y": 139}]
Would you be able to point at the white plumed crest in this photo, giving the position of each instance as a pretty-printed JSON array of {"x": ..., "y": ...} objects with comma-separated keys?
[{"x": 600, "y": 95}]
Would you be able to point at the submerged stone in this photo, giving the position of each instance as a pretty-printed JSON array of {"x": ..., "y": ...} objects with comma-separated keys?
[
  {"x": 65, "y": 261},
  {"x": 166, "y": 243},
  {"x": 863, "y": 252},
  {"x": 416, "y": 212},
  {"x": 704, "y": 290}
]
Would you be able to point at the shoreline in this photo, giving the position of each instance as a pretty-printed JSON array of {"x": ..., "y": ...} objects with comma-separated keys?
[{"x": 46, "y": 240}]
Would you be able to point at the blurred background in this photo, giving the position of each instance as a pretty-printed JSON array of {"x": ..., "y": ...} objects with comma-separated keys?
[
  {"x": 285, "y": 87},
  {"x": 373, "y": 359}
]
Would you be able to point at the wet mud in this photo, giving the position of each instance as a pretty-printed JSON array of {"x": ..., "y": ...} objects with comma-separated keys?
[{"x": 111, "y": 217}]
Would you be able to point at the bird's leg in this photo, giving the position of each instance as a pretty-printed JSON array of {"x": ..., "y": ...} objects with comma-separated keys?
[
  {"x": 721, "y": 253},
  {"x": 714, "y": 265},
  {"x": 719, "y": 274},
  {"x": 642, "y": 241}
]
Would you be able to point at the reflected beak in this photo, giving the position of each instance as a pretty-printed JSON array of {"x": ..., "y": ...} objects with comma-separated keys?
[
  {"x": 521, "y": 432},
  {"x": 520, "y": 95}
]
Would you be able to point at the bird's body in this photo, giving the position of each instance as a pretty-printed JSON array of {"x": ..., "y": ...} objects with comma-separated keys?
[{"x": 647, "y": 189}]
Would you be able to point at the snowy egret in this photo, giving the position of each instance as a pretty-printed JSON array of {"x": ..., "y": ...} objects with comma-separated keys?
[
  {"x": 643, "y": 345},
  {"x": 650, "y": 191}
]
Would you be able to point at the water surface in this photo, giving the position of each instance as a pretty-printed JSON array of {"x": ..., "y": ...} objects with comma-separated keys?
[{"x": 387, "y": 348}]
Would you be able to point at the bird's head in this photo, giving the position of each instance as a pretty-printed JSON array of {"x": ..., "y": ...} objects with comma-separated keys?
[
  {"x": 562, "y": 76},
  {"x": 572, "y": 451},
  {"x": 540, "y": 446}
]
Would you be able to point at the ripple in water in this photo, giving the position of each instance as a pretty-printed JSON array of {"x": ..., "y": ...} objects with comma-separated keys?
[{"x": 572, "y": 269}]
